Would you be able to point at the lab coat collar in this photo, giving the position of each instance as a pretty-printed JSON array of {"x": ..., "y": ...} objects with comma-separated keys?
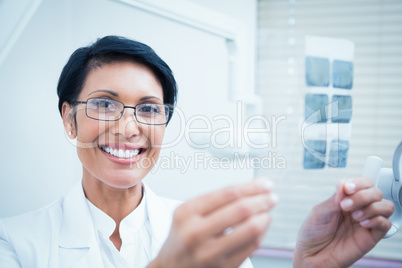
[
  {"x": 160, "y": 219},
  {"x": 83, "y": 244},
  {"x": 76, "y": 220},
  {"x": 80, "y": 249}
]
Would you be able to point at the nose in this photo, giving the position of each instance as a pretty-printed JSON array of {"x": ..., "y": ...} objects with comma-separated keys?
[{"x": 127, "y": 125}]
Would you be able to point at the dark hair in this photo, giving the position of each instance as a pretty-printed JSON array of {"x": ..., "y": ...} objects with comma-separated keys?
[{"x": 110, "y": 49}]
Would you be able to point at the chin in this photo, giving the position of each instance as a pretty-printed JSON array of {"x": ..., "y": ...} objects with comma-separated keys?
[
  {"x": 123, "y": 184},
  {"x": 124, "y": 179}
]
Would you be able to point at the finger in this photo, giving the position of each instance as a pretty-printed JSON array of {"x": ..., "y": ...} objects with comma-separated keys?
[
  {"x": 236, "y": 212},
  {"x": 339, "y": 193},
  {"x": 230, "y": 261},
  {"x": 379, "y": 223},
  {"x": 383, "y": 208},
  {"x": 361, "y": 199},
  {"x": 236, "y": 259},
  {"x": 244, "y": 236},
  {"x": 354, "y": 185},
  {"x": 211, "y": 201}
]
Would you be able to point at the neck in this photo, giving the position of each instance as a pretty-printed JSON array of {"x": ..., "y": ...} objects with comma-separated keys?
[{"x": 115, "y": 202}]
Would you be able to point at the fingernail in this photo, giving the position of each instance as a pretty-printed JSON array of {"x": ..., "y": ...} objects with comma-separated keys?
[
  {"x": 357, "y": 214},
  {"x": 267, "y": 184},
  {"x": 350, "y": 186},
  {"x": 274, "y": 198},
  {"x": 365, "y": 222},
  {"x": 346, "y": 203}
]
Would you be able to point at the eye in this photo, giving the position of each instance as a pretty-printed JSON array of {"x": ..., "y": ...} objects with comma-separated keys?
[
  {"x": 104, "y": 104},
  {"x": 149, "y": 108}
]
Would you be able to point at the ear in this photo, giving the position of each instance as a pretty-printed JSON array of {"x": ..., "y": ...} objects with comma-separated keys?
[{"x": 67, "y": 112}]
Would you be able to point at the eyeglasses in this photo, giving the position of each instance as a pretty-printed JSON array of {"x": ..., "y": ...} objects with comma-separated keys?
[{"x": 105, "y": 109}]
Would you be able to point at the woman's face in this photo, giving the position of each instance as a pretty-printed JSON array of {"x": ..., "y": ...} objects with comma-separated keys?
[{"x": 98, "y": 141}]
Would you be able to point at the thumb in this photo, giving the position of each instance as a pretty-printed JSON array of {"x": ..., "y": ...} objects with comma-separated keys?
[
  {"x": 324, "y": 218},
  {"x": 339, "y": 193},
  {"x": 326, "y": 209}
]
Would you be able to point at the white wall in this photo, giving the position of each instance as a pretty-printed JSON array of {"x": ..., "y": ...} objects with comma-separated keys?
[
  {"x": 246, "y": 13},
  {"x": 37, "y": 161}
]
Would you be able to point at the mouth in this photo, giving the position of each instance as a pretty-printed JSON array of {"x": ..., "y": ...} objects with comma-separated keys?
[{"x": 122, "y": 151}]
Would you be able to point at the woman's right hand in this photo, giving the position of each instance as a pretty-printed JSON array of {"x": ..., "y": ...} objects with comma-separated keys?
[{"x": 219, "y": 229}]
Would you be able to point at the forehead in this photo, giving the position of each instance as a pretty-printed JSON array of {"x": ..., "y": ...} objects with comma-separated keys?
[{"x": 127, "y": 79}]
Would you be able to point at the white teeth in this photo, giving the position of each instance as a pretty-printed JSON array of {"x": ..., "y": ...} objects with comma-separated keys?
[
  {"x": 134, "y": 153},
  {"x": 121, "y": 153}
]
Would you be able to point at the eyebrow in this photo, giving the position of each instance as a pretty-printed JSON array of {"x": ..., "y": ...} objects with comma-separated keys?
[
  {"x": 149, "y": 97},
  {"x": 105, "y": 90},
  {"x": 116, "y": 95}
]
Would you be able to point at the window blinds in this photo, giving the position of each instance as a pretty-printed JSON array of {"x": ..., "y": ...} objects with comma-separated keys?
[{"x": 375, "y": 27}]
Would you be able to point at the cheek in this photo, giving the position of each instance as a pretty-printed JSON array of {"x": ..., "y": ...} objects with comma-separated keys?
[
  {"x": 155, "y": 135},
  {"x": 89, "y": 130}
]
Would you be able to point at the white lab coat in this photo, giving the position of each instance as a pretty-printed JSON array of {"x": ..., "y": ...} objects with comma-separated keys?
[{"x": 62, "y": 234}]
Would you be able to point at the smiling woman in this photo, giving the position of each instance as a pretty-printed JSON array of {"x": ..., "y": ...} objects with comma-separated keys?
[{"x": 116, "y": 98}]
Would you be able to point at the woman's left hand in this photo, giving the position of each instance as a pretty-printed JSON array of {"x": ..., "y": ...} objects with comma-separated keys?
[{"x": 342, "y": 229}]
